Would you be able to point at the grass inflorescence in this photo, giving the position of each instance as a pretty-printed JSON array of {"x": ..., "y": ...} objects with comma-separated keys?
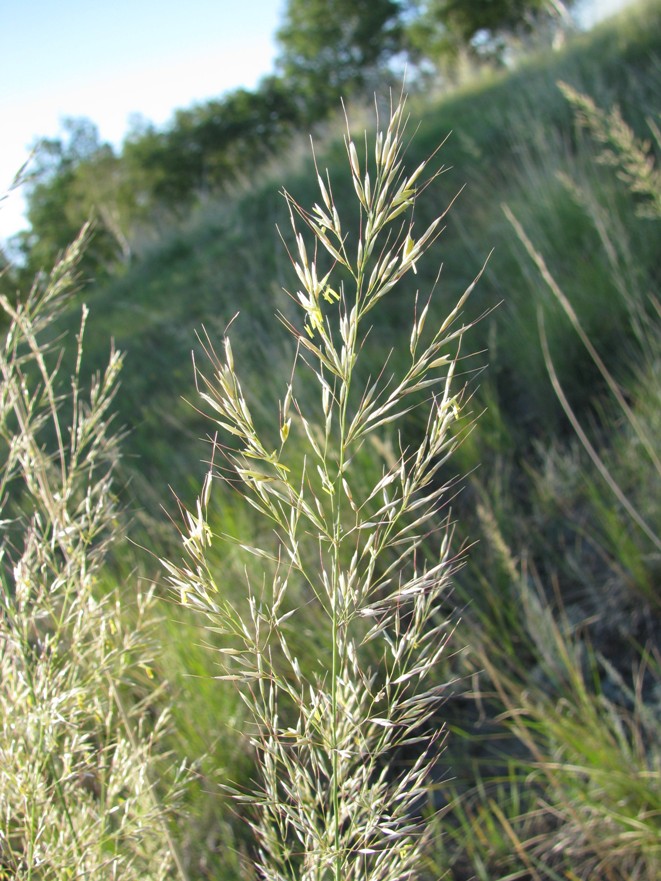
[
  {"x": 78, "y": 752},
  {"x": 332, "y": 801}
]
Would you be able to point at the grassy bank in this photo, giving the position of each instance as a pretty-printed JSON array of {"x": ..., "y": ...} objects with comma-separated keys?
[{"x": 552, "y": 766}]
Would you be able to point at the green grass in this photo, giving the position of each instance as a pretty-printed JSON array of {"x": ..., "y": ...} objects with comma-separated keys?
[
  {"x": 559, "y": 603},
  {"x": 509, "y": 137}
]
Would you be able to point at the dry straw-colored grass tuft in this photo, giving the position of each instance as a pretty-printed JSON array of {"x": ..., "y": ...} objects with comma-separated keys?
[{"x": 76, "y": 750}]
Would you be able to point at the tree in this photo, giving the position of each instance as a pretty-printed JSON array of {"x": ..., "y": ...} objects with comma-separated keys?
[
  {"x": 332, "y": 48},
  {"x": 76, "y": 178},
  {"x": 209, "y": 146},
  {"x": 442, "y": 27}
]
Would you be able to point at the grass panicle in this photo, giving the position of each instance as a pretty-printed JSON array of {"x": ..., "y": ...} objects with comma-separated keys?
[
  {"x": 77, "y": 751},
  {"x": 336, "y": 799},
  {"x": 317, "y": 558}
]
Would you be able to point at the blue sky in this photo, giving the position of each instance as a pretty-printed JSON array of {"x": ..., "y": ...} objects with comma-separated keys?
[{"x": 109, "y": 60}]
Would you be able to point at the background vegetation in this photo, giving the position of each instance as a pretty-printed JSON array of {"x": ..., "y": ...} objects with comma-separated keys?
[
  {"x": 552, "y": 764},
  {"x": 329, "y": 49}
]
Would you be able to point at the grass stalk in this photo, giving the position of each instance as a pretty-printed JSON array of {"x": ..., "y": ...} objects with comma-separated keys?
[
  {"x": 74, "y": 801},
  {"x": 345, "y": 576}
]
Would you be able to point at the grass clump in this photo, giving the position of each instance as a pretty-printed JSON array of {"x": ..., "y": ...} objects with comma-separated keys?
[
  {"x": 78, "y": 750},
  {"x": 564, "y": 638},
  {"x": 344, "y": 568}
]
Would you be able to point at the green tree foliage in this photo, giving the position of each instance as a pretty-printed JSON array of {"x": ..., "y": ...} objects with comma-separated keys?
[
  {"x": 330, "y": 48},
  {"x": 440, "y": 28},
  {"x": 209, "y": 146},
  {"x": 205, "y": 149},
  {"x": 76, "y": 177}
]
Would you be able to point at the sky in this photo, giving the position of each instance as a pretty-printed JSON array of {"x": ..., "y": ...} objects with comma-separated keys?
[{"x": 109, "y": 61}]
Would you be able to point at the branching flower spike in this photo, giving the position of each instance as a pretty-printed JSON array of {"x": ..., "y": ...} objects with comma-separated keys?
[{"x": 346, "y": 748}]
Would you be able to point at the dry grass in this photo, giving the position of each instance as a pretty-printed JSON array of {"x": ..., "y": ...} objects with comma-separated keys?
[{"x": 77, "y": 752}]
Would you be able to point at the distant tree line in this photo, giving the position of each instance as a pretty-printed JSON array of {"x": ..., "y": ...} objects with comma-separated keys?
[{"x": 328, "y": 49}]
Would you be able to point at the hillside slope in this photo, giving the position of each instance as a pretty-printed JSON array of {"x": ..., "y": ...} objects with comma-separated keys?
[
  {"x": 557, "y": 707},
  {"x": 508, "y": 136}
]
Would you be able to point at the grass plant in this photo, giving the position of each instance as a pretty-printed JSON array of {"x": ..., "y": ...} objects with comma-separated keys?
[
  {"x": 335, "y": 799},
  {"x": 571, "y": 787},
  {"x": 78, "y": 752}
]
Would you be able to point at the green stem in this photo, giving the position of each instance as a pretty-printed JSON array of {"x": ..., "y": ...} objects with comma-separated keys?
[{"x": 337, "y": 635}]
